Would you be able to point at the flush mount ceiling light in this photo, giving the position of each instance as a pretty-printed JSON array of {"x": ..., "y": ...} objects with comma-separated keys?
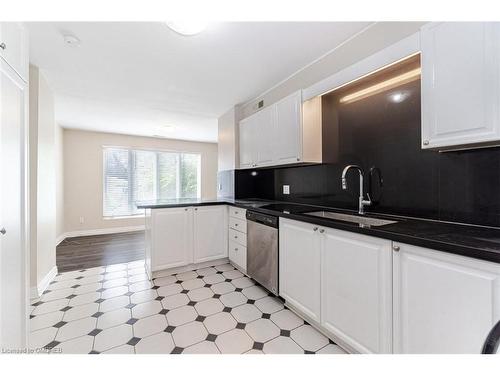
[
  {"x": 187, "y": 28},
  {"x": 71, "y": 40}
]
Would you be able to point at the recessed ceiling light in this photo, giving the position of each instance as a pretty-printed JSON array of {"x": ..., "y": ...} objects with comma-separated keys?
[
  {"x": 399, "y": 96},
  {"x": 187, "y": 28},
  {"x": 71, "y": 40}
]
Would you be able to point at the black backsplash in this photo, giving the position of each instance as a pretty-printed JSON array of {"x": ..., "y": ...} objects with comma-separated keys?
[{"x": 459, "y": 186}]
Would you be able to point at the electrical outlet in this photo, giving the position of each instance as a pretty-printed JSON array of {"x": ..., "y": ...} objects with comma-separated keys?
[
  {"x": 286, "y": 189},
  {"x": 82, "y": 220}
]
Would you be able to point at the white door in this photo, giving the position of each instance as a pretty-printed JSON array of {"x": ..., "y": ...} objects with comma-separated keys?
[
  {"x": 288, "y": 129},
  {"x": 460, "y": 83},
  {"x": 248, "y": 147},
  {"x": 443, "y": 303},
  {"x": 14, "y": 47},
  {"x": 210, "y": 233},
  {"x": 172, "y": 237},
  {"x": 356, "y": 290},
  {"x": 266, "y": 136},
  {"x": 299, "y": 266},
  {"x": 13, "y": 198}
]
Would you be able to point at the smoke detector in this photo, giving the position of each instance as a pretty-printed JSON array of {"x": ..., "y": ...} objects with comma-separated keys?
[{"x": 71, "y": 40}]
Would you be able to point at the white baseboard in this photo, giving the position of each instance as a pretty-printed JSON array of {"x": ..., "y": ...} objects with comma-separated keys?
[
  {"x": 94, "y": 232},
  {"x": 37, "y": 291}
]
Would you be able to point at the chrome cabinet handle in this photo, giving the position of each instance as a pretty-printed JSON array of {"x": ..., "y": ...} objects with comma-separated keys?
[
  {"x": 3, "y": 231},
  {"x": 426, "y": 143},
  {"x": 3, "y": 46},
  {"x": 315, "y": 229},
  {"x": 235, "y": 249},
  {"x": 396, "y": 248},
  {"x": 322, "y": 231}
]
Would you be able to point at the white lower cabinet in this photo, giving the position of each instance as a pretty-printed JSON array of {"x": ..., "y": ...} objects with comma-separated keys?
[
  {"x": 171, "y": 237},
  {"x": 185, "y": 235},
  {"x": 340, "y": 280},
  {"x": 299, "y": 267},
  {"x": 237, "y": 248},
  {"x": 443, "y": 303},
  {"x": 356, "y": 290},
  {"x": 210, "y": 233}
]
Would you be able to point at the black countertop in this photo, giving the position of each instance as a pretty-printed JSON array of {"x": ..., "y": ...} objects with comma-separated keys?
[{"x": 468, "y": 240}]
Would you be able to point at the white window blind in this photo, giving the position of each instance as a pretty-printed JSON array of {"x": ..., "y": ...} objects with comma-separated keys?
[{"x": 140, "y": 175}]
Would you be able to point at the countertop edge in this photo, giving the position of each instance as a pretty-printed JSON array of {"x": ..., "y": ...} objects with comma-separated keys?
[{"x": 448, "y": 247}]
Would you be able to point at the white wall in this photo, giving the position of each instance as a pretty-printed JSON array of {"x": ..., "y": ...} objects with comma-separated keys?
[
  {"x": 227, "y": 138},
  {"x": 375, "y": 38},
  {"x": 83, "y": 175},
  {"x": 42, "y": 178}
]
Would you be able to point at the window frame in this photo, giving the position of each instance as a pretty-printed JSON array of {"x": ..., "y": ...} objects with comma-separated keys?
[{"x": 131, "y": 178}]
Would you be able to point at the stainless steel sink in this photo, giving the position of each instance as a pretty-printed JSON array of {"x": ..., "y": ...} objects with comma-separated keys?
[{"x": 361, "y": 220}]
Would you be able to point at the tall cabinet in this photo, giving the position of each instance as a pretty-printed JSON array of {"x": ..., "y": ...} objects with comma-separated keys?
[{"x": 13, "y": 186}]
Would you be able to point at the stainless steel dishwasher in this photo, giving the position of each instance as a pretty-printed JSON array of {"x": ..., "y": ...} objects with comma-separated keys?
[{"x": 262, "y": 249}]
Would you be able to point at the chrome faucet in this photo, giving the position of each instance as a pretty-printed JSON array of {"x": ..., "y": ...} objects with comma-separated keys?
[{"x": 362, "y": 201}]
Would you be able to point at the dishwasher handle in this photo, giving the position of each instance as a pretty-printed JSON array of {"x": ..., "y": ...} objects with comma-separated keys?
[{"x": 264, "y": 219}]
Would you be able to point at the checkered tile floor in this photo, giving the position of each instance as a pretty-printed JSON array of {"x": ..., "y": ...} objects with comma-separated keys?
[{"x": 116, "y": 309}]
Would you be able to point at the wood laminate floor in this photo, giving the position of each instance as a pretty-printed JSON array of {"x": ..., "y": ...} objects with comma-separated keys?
[{"x": 78, "y": 253}]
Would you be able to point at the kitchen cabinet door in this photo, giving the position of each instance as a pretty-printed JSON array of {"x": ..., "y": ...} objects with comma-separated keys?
[
  {"x": 299, "y": 267},
  {"x": 288, "y": 140},
  {"x": 238, "y": 254},
  {"x": 210, "y": 233},
  {"x": 460, "y": 84},
  {"x": 248, "y": 143},
  {"x": 356, "y": 290},
  {"x": 266, "y": 136},
  {"x": 171, "y": 237},
  {"x": 443, "y": 303}
]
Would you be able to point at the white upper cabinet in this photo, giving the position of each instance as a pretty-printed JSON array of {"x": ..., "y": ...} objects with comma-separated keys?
[
  {"x": 288, "y": 129},
  {"x": 282, "y": 134},
  {"x": 460, "y": 84},
  {"x": 443, "y": 303},
  {"x": 248, "y": 146},
  {"x": 264, "y": 122},
  {"x": 356, "y": 290},
  {"x": 14, "y": 47},
  {"x": 210, "y": 233}
]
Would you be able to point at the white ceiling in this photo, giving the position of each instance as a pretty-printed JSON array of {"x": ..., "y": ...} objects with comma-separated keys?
[{"x": 139, "y": 77}]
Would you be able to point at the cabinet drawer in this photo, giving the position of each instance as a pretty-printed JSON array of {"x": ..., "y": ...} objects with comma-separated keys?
[
  {"x": 238, "y": 237},
  {"x": 238, "y": 254},
  {"x": 238, "y": 224},
  {"x": 239, "y": 213}
]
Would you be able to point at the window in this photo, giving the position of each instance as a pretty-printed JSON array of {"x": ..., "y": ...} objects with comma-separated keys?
[{"x": 141, "y": 175}]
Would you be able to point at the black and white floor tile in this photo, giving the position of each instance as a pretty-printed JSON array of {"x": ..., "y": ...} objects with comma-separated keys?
[{"x": 116, "y": 309}]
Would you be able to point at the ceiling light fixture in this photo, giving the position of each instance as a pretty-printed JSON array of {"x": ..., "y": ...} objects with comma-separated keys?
[
  {"x": 187, "y": 28},
  {"x": 401, "y": 79}
]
